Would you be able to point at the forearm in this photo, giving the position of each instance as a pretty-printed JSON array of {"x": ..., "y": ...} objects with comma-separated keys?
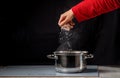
[{"x": 91, "y": 8}]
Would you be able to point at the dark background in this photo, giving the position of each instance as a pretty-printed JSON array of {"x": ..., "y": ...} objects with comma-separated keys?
[{"x": 29, "y": 31}]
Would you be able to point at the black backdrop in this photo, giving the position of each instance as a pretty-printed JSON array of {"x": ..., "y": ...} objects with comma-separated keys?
[{"x": 29, "y": 32}]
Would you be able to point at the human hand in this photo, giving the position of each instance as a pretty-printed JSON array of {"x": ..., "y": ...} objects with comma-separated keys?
[{"x": 66, "y": 19}]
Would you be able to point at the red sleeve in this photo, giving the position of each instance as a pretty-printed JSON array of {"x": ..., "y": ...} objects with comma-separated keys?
[{"x": 91, "y": 8}]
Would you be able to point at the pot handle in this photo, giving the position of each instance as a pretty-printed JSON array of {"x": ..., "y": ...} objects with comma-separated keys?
[
  {"x": 89, "y": 56},
  {"x": 52, "y": 56}
]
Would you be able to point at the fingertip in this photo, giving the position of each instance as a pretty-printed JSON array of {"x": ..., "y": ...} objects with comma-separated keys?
[{"x": 59, "y": 24}]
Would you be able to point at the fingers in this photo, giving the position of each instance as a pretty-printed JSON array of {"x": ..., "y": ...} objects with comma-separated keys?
[
  {"x": 63, "y": 20},
  {"x": 71, "y": 23},
  {"x": 67, "y": 27},
  {"x": 66, "y": 20}
]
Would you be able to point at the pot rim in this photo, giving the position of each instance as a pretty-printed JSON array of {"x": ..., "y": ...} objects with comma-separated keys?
[{"x": 70, "y": 52}]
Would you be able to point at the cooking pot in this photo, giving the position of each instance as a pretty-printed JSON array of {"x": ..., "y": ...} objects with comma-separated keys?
[{"x": 70, "y": 61}]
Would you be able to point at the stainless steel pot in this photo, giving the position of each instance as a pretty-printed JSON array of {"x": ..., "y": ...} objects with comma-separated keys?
[{"x": 70, "y": 61}]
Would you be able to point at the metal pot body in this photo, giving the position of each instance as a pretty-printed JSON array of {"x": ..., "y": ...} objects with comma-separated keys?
[{"x": 70, "y": 61}]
